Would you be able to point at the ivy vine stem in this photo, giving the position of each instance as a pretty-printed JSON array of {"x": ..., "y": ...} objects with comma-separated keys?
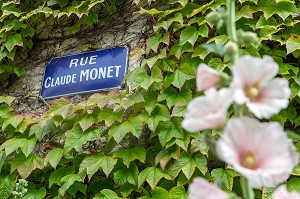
[{"x": 230, "y": 24}]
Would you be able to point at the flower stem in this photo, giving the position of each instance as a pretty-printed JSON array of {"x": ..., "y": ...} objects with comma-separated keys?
[
  {"x": 230, "y": 24},
  {"x": 246, "y": 188}
]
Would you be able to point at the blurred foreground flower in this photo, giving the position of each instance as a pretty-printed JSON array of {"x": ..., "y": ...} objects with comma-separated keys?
[
  {"x": 201, "y": 189},
  {"x": 209, "y": 111},
  {"x": 206, "y": 78},
  {"x": 259, "y": 151},
  {"x": 282, "y": 193},
  {"x": 254, "y": 85}
]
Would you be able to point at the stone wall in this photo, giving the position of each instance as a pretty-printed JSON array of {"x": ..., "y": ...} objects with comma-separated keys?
[{"x": 53, "y": 40}]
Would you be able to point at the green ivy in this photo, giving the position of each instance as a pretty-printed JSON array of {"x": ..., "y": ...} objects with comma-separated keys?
[{"x": 130, "y": 144}]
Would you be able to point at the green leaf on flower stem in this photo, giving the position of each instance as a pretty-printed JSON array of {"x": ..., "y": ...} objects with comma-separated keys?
[
  {"x": 76, "y": 138},
  {"x": 159, "y": 113},
  {"x": 185, "y": 72},
  {"x": 7, "y": 99},
  {"x": 26, "y": 145},
  {"x": 179, "y": 192},
  {"x": 226, "y": 175},
  {"x": 133, "y": 125},
  {"x": 36, "y": 194},
  {"x": 169, "y": 130},
  {"x": 93, "y": 163},
  {"x": 53, "y": 157},
  {"x": 282, "y": 8},
  {"x": 106, "y": 194},
  {"x": 123, "y": 175},
  {"x": 189, "y": 34},
  {"x": 187, "y": 164},
  {"x": 293, "y": 184},
  {"x": 12, "y": 41},
  {"x": 293, "y": 44},
  {"x": 56, "y": 176},
  {"x": 26, "y": 165},
  {"x": 129, "y": 155},
  {"x": 152, "y": 175}
]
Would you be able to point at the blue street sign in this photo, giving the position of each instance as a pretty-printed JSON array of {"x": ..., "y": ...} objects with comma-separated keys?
[{"x": 85, "y": 72}]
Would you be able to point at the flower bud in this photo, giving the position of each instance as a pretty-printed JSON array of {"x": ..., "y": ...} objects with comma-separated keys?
[
  {"x": 250, "y": 38},
  {"x": 231, "y": 48},
  {"x": 213, "y": 18}
]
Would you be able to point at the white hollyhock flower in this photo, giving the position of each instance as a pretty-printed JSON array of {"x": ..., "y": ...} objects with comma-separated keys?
[
  {"x": 282, "y": 193},
  {"x": 209, "y": 111},
  {"x": 259, "y": 151},
  {"x": 201, "y": 189},
  {"x": 255, "y": 85},
  {"x": 206, "y": 78}
]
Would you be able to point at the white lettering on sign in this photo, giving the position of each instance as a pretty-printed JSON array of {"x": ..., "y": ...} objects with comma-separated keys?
[
  {"x": 99, "y": 73},
  {"x": 83, "y": 61},
  {"x": 62, "y": 80}
]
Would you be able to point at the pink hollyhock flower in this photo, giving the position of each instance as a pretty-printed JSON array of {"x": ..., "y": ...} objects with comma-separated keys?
[
  {"x": 206, "y": 78},
  {"x": 254, "y": 85},
  {"x": 282, "y": 193},
  {"x": 259, "y": 151},
  {"x": 201, "y": 189},
  {"x": 209, "y": 111}
]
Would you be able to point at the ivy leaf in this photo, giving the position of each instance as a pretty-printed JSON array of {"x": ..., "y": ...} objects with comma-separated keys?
[
  {"x": 56, "y": 176},
  {"x": 267, "y": 192},
  {"x": 7, "y": 184},
  {"x": 7, "y": 99},
  {"x": 182, "y": 2},
  {"x": 201, "y": 52},
  {"x": 106, "y": 194},
  {"x": 226, "y": 176},
  {"x": 168, "y": 130},
  {"x": 189, "y": 34},
  {"x": 179, "y": 109},
  {"x": 12, "y": 41},
  {"x": 53, "y": 157},
  {"x": 76, "y": 138},
  {"x": 93, "y": 163},
  {"x": 13, "y": 121},
  {"x": 109, "y": 116},
  {"x": 60, "y": 107},
  {"x": 124, "y": 175},
  {"x": 69, "y": 180},
  {"x": 26, "y": 165},
  {"x": 151, "y": 100},
  {"x": 172, "y": 96},
  {"x": 187, "y": 164},
  {"x": 185, "y": 72},
  {"x": 282, "y": 8},
  {"x": 26, "y": 146},
  {"x": 159, "y": 113},
  {"x": 37, "y": 194},
  {"x": 133, "y": 125},
  {"x": 165, "y": 155},
  {"x": 87, "y": 120},
  {"x": 293, "y": 44},
  {"x": 152, "y": 175},
  {"x": 129, "y": 155},
  {"x": 153, "y": 42},
  {"x": 179, "y": 193},
  {"x": 177, "y": 50}
]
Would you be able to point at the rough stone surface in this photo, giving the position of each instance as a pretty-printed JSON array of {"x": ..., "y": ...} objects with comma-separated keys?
[{"x": 54, "y": 40}]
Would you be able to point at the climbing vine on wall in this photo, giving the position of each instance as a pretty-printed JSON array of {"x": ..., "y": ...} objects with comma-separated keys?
[{"x": 130, "y": 143}]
